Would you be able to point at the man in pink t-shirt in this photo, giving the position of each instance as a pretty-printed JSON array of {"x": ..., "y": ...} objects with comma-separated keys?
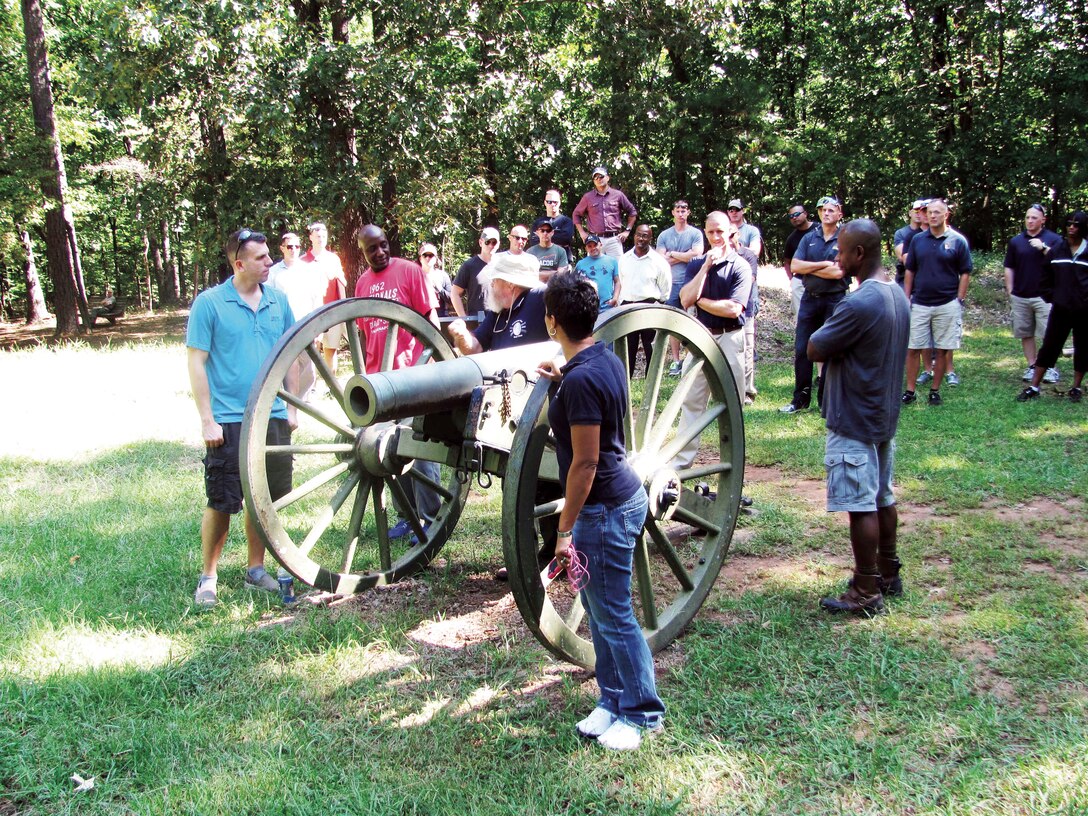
[
  {"x": 396, "y": 279},
  {"x": 403, "y": 281}
]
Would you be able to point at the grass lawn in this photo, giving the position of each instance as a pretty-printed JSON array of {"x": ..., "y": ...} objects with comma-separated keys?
[{"x": 431, "y": 697}]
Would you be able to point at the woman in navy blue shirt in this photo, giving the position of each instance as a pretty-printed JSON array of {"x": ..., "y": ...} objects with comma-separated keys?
[{"x": 604, "y": 512}]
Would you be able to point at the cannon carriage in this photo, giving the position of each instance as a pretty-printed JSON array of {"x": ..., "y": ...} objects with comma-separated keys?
[{"x": 482, "y": 418}]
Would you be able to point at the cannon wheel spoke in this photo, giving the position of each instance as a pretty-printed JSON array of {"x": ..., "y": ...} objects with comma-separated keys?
[
  {"x": 672, "y": 571},
  {"x": 331, "y": 530}
]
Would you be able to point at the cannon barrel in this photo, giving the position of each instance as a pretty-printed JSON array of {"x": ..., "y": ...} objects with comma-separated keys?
[{"x": 436, "y": 387}]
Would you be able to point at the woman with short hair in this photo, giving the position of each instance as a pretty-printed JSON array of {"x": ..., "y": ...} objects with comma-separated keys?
[{"x": 603, "y": 514}]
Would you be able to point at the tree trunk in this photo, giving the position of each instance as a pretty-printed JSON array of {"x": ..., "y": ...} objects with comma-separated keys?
[
  {"x": 169, "y": 288},
  {"x": 62, "y": 250},
  {"x": 157, "y": 265},
  {"x": 36, "y": 310},
  {"x": 5, "y": 287}
]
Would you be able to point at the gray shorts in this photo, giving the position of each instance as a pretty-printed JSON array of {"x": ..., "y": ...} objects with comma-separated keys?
[
  {"x": 939, "y": 327},
  {"x": 859, "y": 474},
  {"x": 1029, "y": 316}
]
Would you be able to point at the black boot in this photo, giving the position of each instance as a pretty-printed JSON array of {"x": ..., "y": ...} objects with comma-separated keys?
[
  {"x": 890, "y": 582},
  {"x": 862, "y": 598}
]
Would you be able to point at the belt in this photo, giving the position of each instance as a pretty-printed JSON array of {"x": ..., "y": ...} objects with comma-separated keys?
[{"x": 609, "y": 234}]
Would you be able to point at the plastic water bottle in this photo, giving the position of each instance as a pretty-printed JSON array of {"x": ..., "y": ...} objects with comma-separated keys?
[{"x": 287, "y": 586}]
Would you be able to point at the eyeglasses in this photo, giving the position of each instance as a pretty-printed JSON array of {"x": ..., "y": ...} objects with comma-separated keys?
[
  {"x": 519, "y": 237},
  {"x": 427, "y": 255},
  {"x": 732, "y": 209},
  {"x": 1072, "y": 224},
  {"x": 797, "y": 214},
  {"x": 245, "y": 235},
  {"x": 292, "y": 246},
  {"x": 491, "y": 242}
]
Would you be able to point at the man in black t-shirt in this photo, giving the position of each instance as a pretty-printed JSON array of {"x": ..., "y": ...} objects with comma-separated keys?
[
  {"x": 798, "y": 216},
  {"x": 466, "y": 285}
]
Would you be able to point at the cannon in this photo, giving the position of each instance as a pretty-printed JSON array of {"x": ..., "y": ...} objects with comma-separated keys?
[{"x": 481, "y": 418}]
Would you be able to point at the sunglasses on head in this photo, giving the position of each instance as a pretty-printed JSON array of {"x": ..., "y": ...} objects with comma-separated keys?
[{"x": 245, "y": 235}]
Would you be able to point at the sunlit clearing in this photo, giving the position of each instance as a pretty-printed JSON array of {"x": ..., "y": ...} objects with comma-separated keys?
[
  {"x": 77, "y": 650},
  {"x": 1051, "y": 786}
]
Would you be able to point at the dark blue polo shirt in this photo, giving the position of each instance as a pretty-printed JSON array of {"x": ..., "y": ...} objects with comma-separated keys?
[
  {"x": 728, "y": 280},
  {"x": 522, "y": 323},
  {"x": 937, "y": 264},
  {"x": 1027, "y": 263},
  {"x": 813, "y": 248},
  {"x": 593, "y": 391}
]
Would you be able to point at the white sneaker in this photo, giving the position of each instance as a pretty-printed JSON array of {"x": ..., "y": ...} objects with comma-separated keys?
[
  {"x": 1029, "y": 374},
  {"x": 1052, "y": 375},
  {"x": 596, "y": 723},
  {"x": 622, "y": 736}
]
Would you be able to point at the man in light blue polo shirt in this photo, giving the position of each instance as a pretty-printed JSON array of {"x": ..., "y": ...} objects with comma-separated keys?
[{"x": 231, "y": 330}]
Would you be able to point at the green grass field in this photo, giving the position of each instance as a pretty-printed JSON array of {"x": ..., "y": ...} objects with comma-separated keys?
[{"x": 430, "y": 697}]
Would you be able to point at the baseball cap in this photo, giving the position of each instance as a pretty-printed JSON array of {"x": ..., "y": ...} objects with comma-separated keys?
[
  {"x": 544, "y": 225},
  {"x": 735, "y": 204},
  {"x": 600, "y": 170},
  {"x": 920, "y": 203},
  {"x": 592, "y": 239},
  {"x": 490, "y": 233},
  {"x": 823, "y": 202}
]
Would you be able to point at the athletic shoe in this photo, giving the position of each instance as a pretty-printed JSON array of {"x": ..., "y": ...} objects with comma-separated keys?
[
  {"x": 1029, "y": 393},
  {"x": 791, "y": 408},
  {"x": 399, "y": 530},
  {"x": 1029, "y": 374},
  {"x": 206, "y": 596},
  {"x": 909, "y": 398},
  {"x": 1075, "y": 394},
  {"x": 674, "y": 369},
  {"x": 599, "y": 721},
  {"x": 951, "y": 379},
  {"x": 924, "y": 377},
  {"x": 622, "y": 736},
  {"x": 1052, "y": 376},
  {"x": 258, "y": 578},
  {"x": 935, "y": 398},
  {"x": 414, "y": 540}
]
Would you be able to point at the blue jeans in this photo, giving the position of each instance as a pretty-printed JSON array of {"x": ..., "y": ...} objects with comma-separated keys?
[
  {"x": 625, "y": 668},
  {"x": 811, "y": 315}
]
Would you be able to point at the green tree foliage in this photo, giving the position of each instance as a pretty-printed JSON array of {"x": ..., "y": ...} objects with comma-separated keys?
[{"x": 436, "y": 119}]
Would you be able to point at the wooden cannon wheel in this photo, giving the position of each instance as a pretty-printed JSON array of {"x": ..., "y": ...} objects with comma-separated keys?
[
  {"x": 673, "y": 571},
  {"x": 331, "y": 530}
]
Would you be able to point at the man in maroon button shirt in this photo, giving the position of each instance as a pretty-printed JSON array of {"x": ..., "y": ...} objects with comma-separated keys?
[{"x": 602, "y": 212}]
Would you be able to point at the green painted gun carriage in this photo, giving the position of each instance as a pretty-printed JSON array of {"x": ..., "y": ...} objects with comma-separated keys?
[{"x": 484, "y": 417}]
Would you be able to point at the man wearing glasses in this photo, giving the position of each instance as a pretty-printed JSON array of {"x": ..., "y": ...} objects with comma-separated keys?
[
  {"x": 799, "y": 220},
  {"x": 232, "y": 328},
  {"x": 305, "y": 290},
  {"x": 562, "y": 227},
  {"x": 468, "y": 293},
  {"x": 825, "y": 285},
  {"x": 552, "y": 258},
  {"x": 332, "y": 272},
  {"x": 602, "y": 211}
]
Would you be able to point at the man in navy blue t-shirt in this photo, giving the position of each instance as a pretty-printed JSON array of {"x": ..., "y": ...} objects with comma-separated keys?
[{"x": 1026, "y": 257}]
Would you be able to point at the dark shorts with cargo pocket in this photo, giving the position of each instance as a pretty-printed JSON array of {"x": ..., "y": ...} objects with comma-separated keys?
[
  {"x": 859, "y": 474},
  {"x": 222, "y": 475}
]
